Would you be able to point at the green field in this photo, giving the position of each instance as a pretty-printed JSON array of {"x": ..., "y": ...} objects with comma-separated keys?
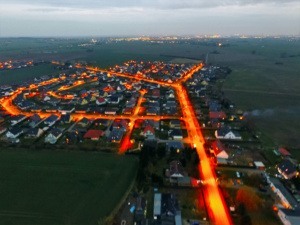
[
  {"x": 17, "y": 76},
  {"x": 61, "y": 187},
  {"x": 266, "y": 85}
]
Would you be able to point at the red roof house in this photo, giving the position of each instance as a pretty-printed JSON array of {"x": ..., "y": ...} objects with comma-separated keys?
[
  {"x": 100, "y": 101},
  {"x": 217, "y": 115},
  {"x": 148, "y": 131},
  {"x": 93, "y": 134},
  {"x": 284, "y": 152}
]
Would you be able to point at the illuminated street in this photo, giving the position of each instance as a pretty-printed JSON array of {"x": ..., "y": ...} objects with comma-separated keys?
[{"x": 216, "y": 206}]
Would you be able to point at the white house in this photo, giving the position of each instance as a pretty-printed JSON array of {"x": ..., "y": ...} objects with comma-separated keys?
[
  {"x": 53, "y": 136},
  {"x": 46, "y": 98},
  {"x": 226, "y": 133},
  {"x": 219, "y": 151},
  {"x": 14, "y": 132}
]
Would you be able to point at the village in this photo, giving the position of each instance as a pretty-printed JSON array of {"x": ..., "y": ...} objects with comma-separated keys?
[{"x": 134, "y": 108}]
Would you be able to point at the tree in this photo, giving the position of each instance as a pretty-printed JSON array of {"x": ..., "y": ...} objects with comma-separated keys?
[
  {"x": 161, "y": 151},
  {"x": 246, "y": 220},
  {"x": 241, "y": 210}
]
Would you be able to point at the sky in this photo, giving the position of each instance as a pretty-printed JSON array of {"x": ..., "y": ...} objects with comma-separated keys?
[{"x": 31, "y": 18}]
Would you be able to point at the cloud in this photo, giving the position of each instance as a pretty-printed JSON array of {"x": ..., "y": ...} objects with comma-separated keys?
[
  {"x": 149, "y": 17},
  {"x": 156, "y": 4}
]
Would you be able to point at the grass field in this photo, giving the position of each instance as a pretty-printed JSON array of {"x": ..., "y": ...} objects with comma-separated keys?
[
  {"x": 265, "y": 82},
  {"x": 61, "y": 187},
  {"x": 18, "y": 76}
]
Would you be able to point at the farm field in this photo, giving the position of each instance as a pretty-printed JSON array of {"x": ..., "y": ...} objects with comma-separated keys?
[
  {"x": 18, "y": 76},
  {"x": 266, "y": 85},
  {"x": 52, "y": 187}
]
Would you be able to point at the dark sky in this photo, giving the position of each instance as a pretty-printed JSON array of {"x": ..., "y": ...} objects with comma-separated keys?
[{"x": 148, "y": 17}]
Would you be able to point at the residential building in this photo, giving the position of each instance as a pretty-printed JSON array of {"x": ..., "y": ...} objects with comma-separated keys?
[
  {"x": 227, "y": 133},
  {"x": 287, "y": 169},
  {"x": 94, "y": 135},
  {"x": 14, "y": 132},
  {"x": 218, "y": 150},
  {"x": 53, "y": 136}
]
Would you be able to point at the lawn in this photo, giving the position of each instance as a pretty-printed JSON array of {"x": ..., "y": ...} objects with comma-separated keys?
[{"x": 51, "y": 187}]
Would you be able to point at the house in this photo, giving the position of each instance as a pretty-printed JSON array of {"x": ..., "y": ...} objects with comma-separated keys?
[
  {"x": 83, "y": 101},
  {"x": 67, "y": 110},
  {"x": 102, "y": 122},
  {"x": 66, "y": 118},
  {"x": 289, "y": 216},
  {"x": 170, "y": 95},
  {"x": 185, "y": 181},
  {"x": 217, "y": 115},
  {"x": 14, "y": 132},
  {"x": 148, "y": 131},
  {"x": 53, "y": 136},
  {"x": 102, "y": 93},
  {"x": 284, "y": 152},
  {"x": 152, "y": 111},
  {"x": 218, "y": 150},
  {"x": 91, "y": 98},
  {"x": 80, "y": 110},
  {"x": 166, "y": 209},
  {"x": 175, "y": 124},
  {"x": 176, "y": 134},
  {"x": 214, "y": 106},
  {"x": 72, "y": 137},
  {"x": 227, "y": 133},
  {"x": 175, "y": 170},
  {"x": 170, "y": 105},
  {"x": 175, "y": 145},
  {"x": 110, "y": 111},
  {"x": 128, "y": 111},
  {"x": 116, "y": 135},
  {"x": 101, "y": 101},
  {"x": 34, "y": 120},
  {"x": 259, "y": 165},
  {"x": 2, "y": 130},
  {"x": 152, "y": 123},
  {"x": 156, "y": 93},
  {"x": 84, "y": 122},
  {"x": 93, "y": 134},
  {"x": 287, "y": 169},
  {"x": 286, "y": 198},
  {"x": 34, "y": 133},
  {"x": 46, "y": 98},
  {"x": 17, "y": 119},
  {"x": 51, "y": 120},
  {"x": 157, "y": 206},
  {"x": 115, "y": 100},
  {"x": 120, "y": 124},
  {"x": 24, "y": 105}
]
